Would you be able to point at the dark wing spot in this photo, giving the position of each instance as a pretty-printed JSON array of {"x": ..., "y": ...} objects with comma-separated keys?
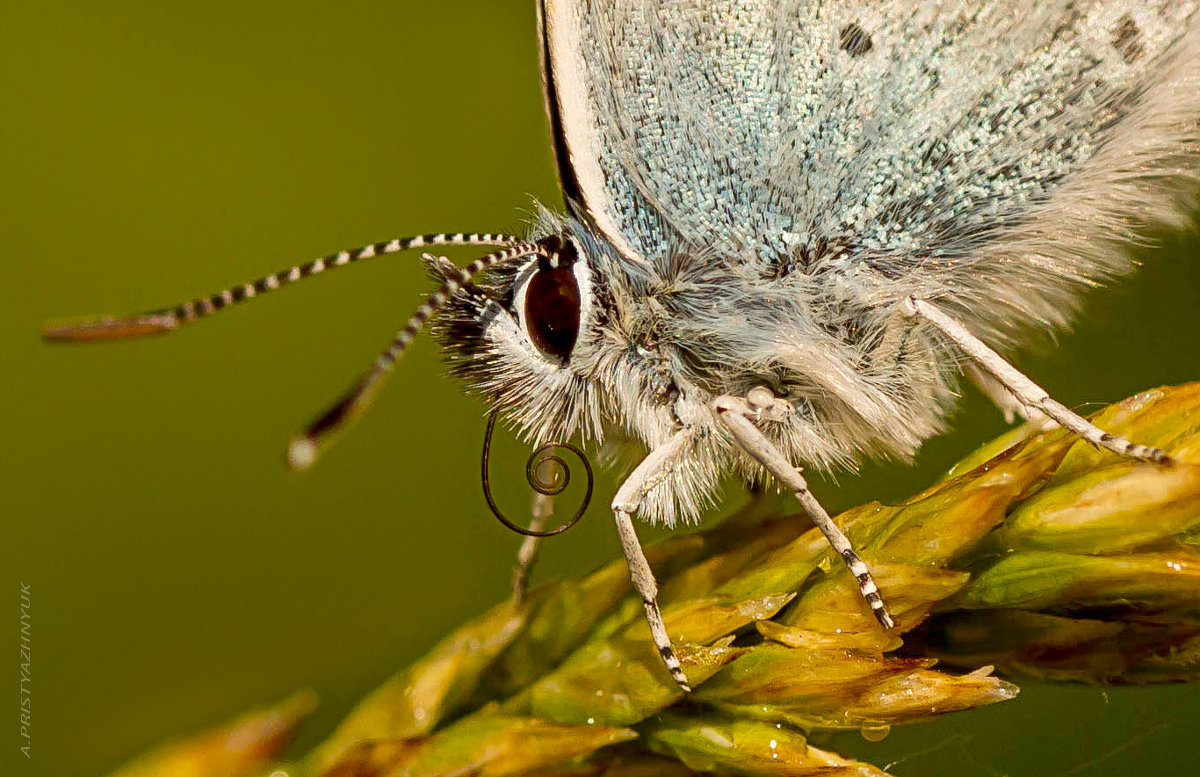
[
  {"x": 1068, "y": 26},
  {"x": 1127, "y": 39},
  {"x": 854, "y": 40},
  {"x": 814, "y": 255}
]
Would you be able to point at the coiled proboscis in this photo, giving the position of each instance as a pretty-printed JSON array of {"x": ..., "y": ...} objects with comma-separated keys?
[{"x": 553, "y": 486}]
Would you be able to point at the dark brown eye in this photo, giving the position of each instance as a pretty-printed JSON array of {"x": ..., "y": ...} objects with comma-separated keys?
[{"x": 552, "y": 310}]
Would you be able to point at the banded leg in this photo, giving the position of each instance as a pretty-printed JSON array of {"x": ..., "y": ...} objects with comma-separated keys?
[
  {"x": 543, "y": 508},
  {"x": 738, "y": 415},
  {"x": 1025, "y": 390},
  {"x": 653, "y": 469}
]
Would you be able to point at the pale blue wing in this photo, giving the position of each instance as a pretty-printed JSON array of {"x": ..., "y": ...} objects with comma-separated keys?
[{"x": 805, "y": 134}]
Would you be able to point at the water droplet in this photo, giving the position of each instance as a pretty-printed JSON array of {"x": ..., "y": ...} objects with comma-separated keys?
[{"x": 875, "y": 733}]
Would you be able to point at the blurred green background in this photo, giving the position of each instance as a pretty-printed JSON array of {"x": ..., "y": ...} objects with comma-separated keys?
[{"x": 180, "y": 574}]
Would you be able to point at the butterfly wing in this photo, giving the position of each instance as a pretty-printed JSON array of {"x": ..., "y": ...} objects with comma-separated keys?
[{"x": 939, "y": 148}]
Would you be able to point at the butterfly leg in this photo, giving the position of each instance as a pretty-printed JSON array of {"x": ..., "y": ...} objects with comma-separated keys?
[
  {"x": 653, "y": 469},
  {"x": 1025, "y": 390},
  {"x": 543, "y": 508},
  {"x": 1007, "y": 402},
  {"x": 739, "y": 415}
]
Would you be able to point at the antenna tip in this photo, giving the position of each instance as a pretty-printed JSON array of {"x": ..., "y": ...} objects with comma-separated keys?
[
  {"x": 302, "y": 453},
  {"x": 110, "y": 327}
]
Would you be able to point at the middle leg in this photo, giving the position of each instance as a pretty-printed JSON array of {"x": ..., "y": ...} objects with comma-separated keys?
[
  {"x": 653, "y": 469},
  {"x": 738, "y": 414}
]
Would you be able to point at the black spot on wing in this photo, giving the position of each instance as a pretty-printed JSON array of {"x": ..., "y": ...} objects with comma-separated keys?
[
  {"x": 1127, "y": 39},
  {"x": 854, "y": 40}
]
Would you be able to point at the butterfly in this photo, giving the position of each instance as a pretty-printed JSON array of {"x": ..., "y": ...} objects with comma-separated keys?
[{"x": 790, "y": 229}]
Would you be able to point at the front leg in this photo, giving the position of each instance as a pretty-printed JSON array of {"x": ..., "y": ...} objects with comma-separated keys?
[
  {"x": 652, "y": 471},
  {"x": 739, "y": 416},
  {"x": 543, "y": 508}
]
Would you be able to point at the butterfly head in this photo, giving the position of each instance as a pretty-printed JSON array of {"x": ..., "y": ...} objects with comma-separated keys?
[
  {"x": 562, "y": 343},
  {"x": 524, "y": 335}
]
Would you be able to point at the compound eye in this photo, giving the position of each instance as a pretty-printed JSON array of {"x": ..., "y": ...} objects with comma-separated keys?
[{"x": 551, "y": 310}]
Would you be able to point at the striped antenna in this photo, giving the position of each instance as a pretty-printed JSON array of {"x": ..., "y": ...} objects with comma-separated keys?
[
  {"x": 304, "y": 449},
  {"x": 156, "y": 322}
]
